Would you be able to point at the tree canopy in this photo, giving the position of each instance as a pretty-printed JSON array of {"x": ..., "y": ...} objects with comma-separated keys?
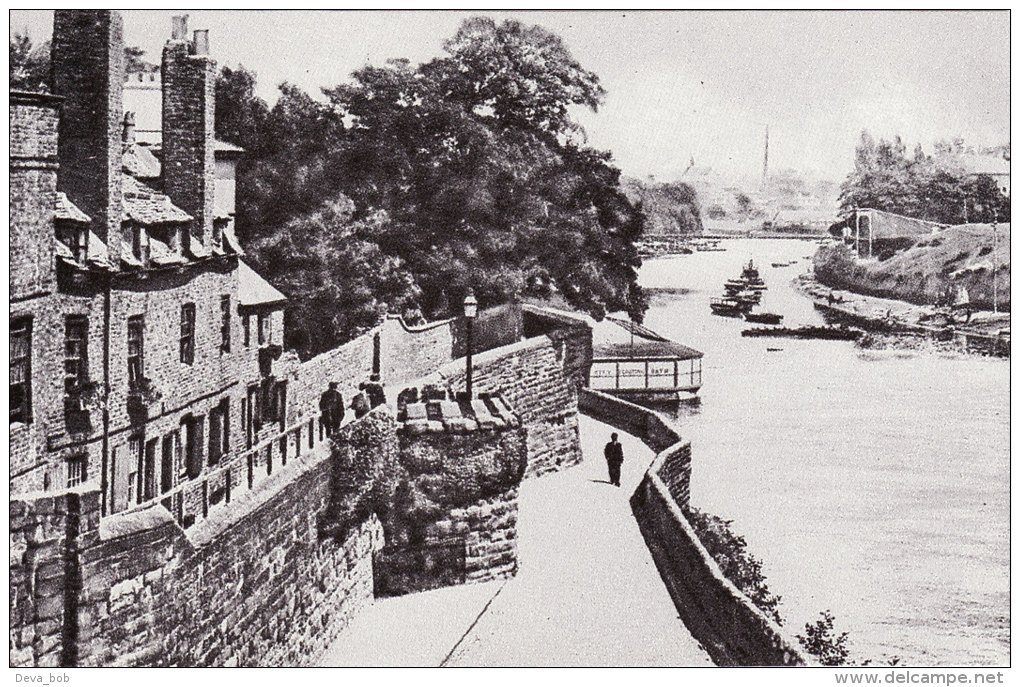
[
  {"x": 930, "y": 187},
  {"x": 471, "y": 164}
]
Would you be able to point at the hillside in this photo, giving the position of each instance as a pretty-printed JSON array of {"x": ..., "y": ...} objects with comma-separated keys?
[
  {"x": 670, "y": 208},
  {"x": 930, "y": 271}
]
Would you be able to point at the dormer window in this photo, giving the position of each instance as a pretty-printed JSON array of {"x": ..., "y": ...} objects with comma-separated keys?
[
  {"x": 137, "y": 238},
  {"x": 217, "y": 233},
  {"x": 75, "y": 236}
]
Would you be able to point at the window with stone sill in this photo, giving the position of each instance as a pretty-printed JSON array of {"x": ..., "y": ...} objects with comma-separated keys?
[
  {"x": 21, "y": 370},
  {"x": 76, "y": 337},
  {"x": 136, "y": 237},
  {"x": 188, "y": 333},
  {"x": 217, "y": 233},
  {"x": 225, "y": 324},
  {"x": 136, "y": 350},
  {"x": 265, "y": 329},
  {"x": 77, "y": 469}
]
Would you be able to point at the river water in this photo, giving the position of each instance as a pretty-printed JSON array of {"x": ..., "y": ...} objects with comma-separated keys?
[{"x": 874, "y": 484}]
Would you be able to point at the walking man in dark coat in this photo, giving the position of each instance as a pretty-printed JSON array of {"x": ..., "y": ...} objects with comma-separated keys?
[{"x": 614, "y": 458}]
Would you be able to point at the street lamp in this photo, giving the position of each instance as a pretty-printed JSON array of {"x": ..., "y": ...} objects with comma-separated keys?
[{"x": 470, "y": 312}]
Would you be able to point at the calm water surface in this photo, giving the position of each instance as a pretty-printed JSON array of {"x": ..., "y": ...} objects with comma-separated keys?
[{"x": 874, "y": 484}]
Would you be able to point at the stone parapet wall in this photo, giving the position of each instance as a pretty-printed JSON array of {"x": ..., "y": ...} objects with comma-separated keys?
[
  {"x": 38, "y": 579},
  {"x": 726, "y": 622},
  {"x": 530, "y": 377},
  {"x": 446, "y": 492},
  {"x": 269, "y": 581},
  {"x": 287, "y": 539}
]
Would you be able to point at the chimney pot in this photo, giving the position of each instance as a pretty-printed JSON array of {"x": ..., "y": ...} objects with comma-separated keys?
[
  {"x": 202, "y": 42},
  {"x": 180, "y": 28},
  {"x": 129, "y": 127}
]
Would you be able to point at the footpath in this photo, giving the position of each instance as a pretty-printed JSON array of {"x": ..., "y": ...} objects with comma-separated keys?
[{"x": 587, "y": 592}]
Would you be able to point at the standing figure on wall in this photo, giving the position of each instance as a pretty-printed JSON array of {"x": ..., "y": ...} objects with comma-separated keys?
[
  {"x": 374, "y": 389},
  {"x": 331, "y": 407},
  {"x": 614, "y": 458},
  {"x": 360, "y": 404}
]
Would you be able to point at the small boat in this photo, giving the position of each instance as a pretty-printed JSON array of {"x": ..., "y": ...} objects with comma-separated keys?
[
  {"x": 729, "y": 307},
  {"x": 808, "y": 332},
  {"x": 763, "y": 317},
  {"x": 749, "y": 297}
]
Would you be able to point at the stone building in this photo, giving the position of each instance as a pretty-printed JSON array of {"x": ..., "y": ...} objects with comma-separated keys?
[{"x": 142, "y": 346}]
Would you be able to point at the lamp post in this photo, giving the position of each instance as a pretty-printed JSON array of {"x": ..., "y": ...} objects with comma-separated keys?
[{"x": 470, "y": 312}]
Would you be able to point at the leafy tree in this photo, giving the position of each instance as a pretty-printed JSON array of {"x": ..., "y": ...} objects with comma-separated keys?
[
  {"x": 29, "y": 64},
  {"x": 337, "y": 279},
  {"x": 135, "y": 62},
  {"x": 926, "y": 187},
  {"x": 474, "y": 158},
  {"x": 669, "y": 208}
]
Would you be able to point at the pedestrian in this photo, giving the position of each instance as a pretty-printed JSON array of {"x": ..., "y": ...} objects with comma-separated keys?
[
  {"x": 374, "y": 389},
  {"x": 614, "y": 458},
  {"x": 360, "y": 404},
  {"x": 331, "y": 409}
]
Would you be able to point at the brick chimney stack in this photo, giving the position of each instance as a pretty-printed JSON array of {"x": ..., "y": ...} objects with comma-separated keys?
[
  {"x": 189, "y": 103},
  {"x": 88, "y": 72}
]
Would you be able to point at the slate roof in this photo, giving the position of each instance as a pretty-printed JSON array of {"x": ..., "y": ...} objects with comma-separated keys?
[
  {"x": 252, "y": 289},
  {"x": 69, "y": 211},
  {"x": 139, "y": 161},
  {"x": 619, "y": 339},
  {"x": 643, "y": 349},
  {"x": 147, "y": 206},
  {"x": 224, "y": 147}
]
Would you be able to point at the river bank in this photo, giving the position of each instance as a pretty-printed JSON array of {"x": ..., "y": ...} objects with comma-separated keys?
[
  {"x": 896, "y": 324},
  {"x": 969, "y": 262}
]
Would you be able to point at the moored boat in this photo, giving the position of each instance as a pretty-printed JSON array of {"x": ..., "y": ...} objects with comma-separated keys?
[
  {"x": 807, "y": 332},
  {"x": 763, "y": 317},
  {"x": 729, "y": 307}
]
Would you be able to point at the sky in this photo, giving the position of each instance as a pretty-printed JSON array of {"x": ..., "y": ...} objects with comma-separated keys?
[{"x": 680, "y": 85}]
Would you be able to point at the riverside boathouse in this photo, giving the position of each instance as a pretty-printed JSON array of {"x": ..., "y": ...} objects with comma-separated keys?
[{"x": 634, "y": 362}]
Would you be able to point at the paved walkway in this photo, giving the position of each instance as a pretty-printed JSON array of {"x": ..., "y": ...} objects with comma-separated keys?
[{"x": 587, "y": 592}]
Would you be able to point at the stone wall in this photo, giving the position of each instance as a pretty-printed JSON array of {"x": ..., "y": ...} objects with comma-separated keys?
[
  {"x": 88, "y": 72},
  {"x": 33, "y": 186},
  {"x": 727, "y": 623},
  {"x": 412, "y": 352},
  {"x": 570, "y": 332},
  {"x": 38, "y": 579},
  {"x": 532, "y": 378},
  {"x": 444, "y": 484},
  {"x": 270, "y": 580}
]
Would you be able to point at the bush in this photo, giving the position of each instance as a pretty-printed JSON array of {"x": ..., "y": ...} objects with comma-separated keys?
[
  {"x": 729, "y": 551},
  {"x": 821, "y": 641}
]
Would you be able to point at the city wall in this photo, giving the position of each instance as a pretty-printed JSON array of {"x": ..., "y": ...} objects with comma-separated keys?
[
  {"x": 727, "y": 623},
  {"x": 284, "y": 543}
]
